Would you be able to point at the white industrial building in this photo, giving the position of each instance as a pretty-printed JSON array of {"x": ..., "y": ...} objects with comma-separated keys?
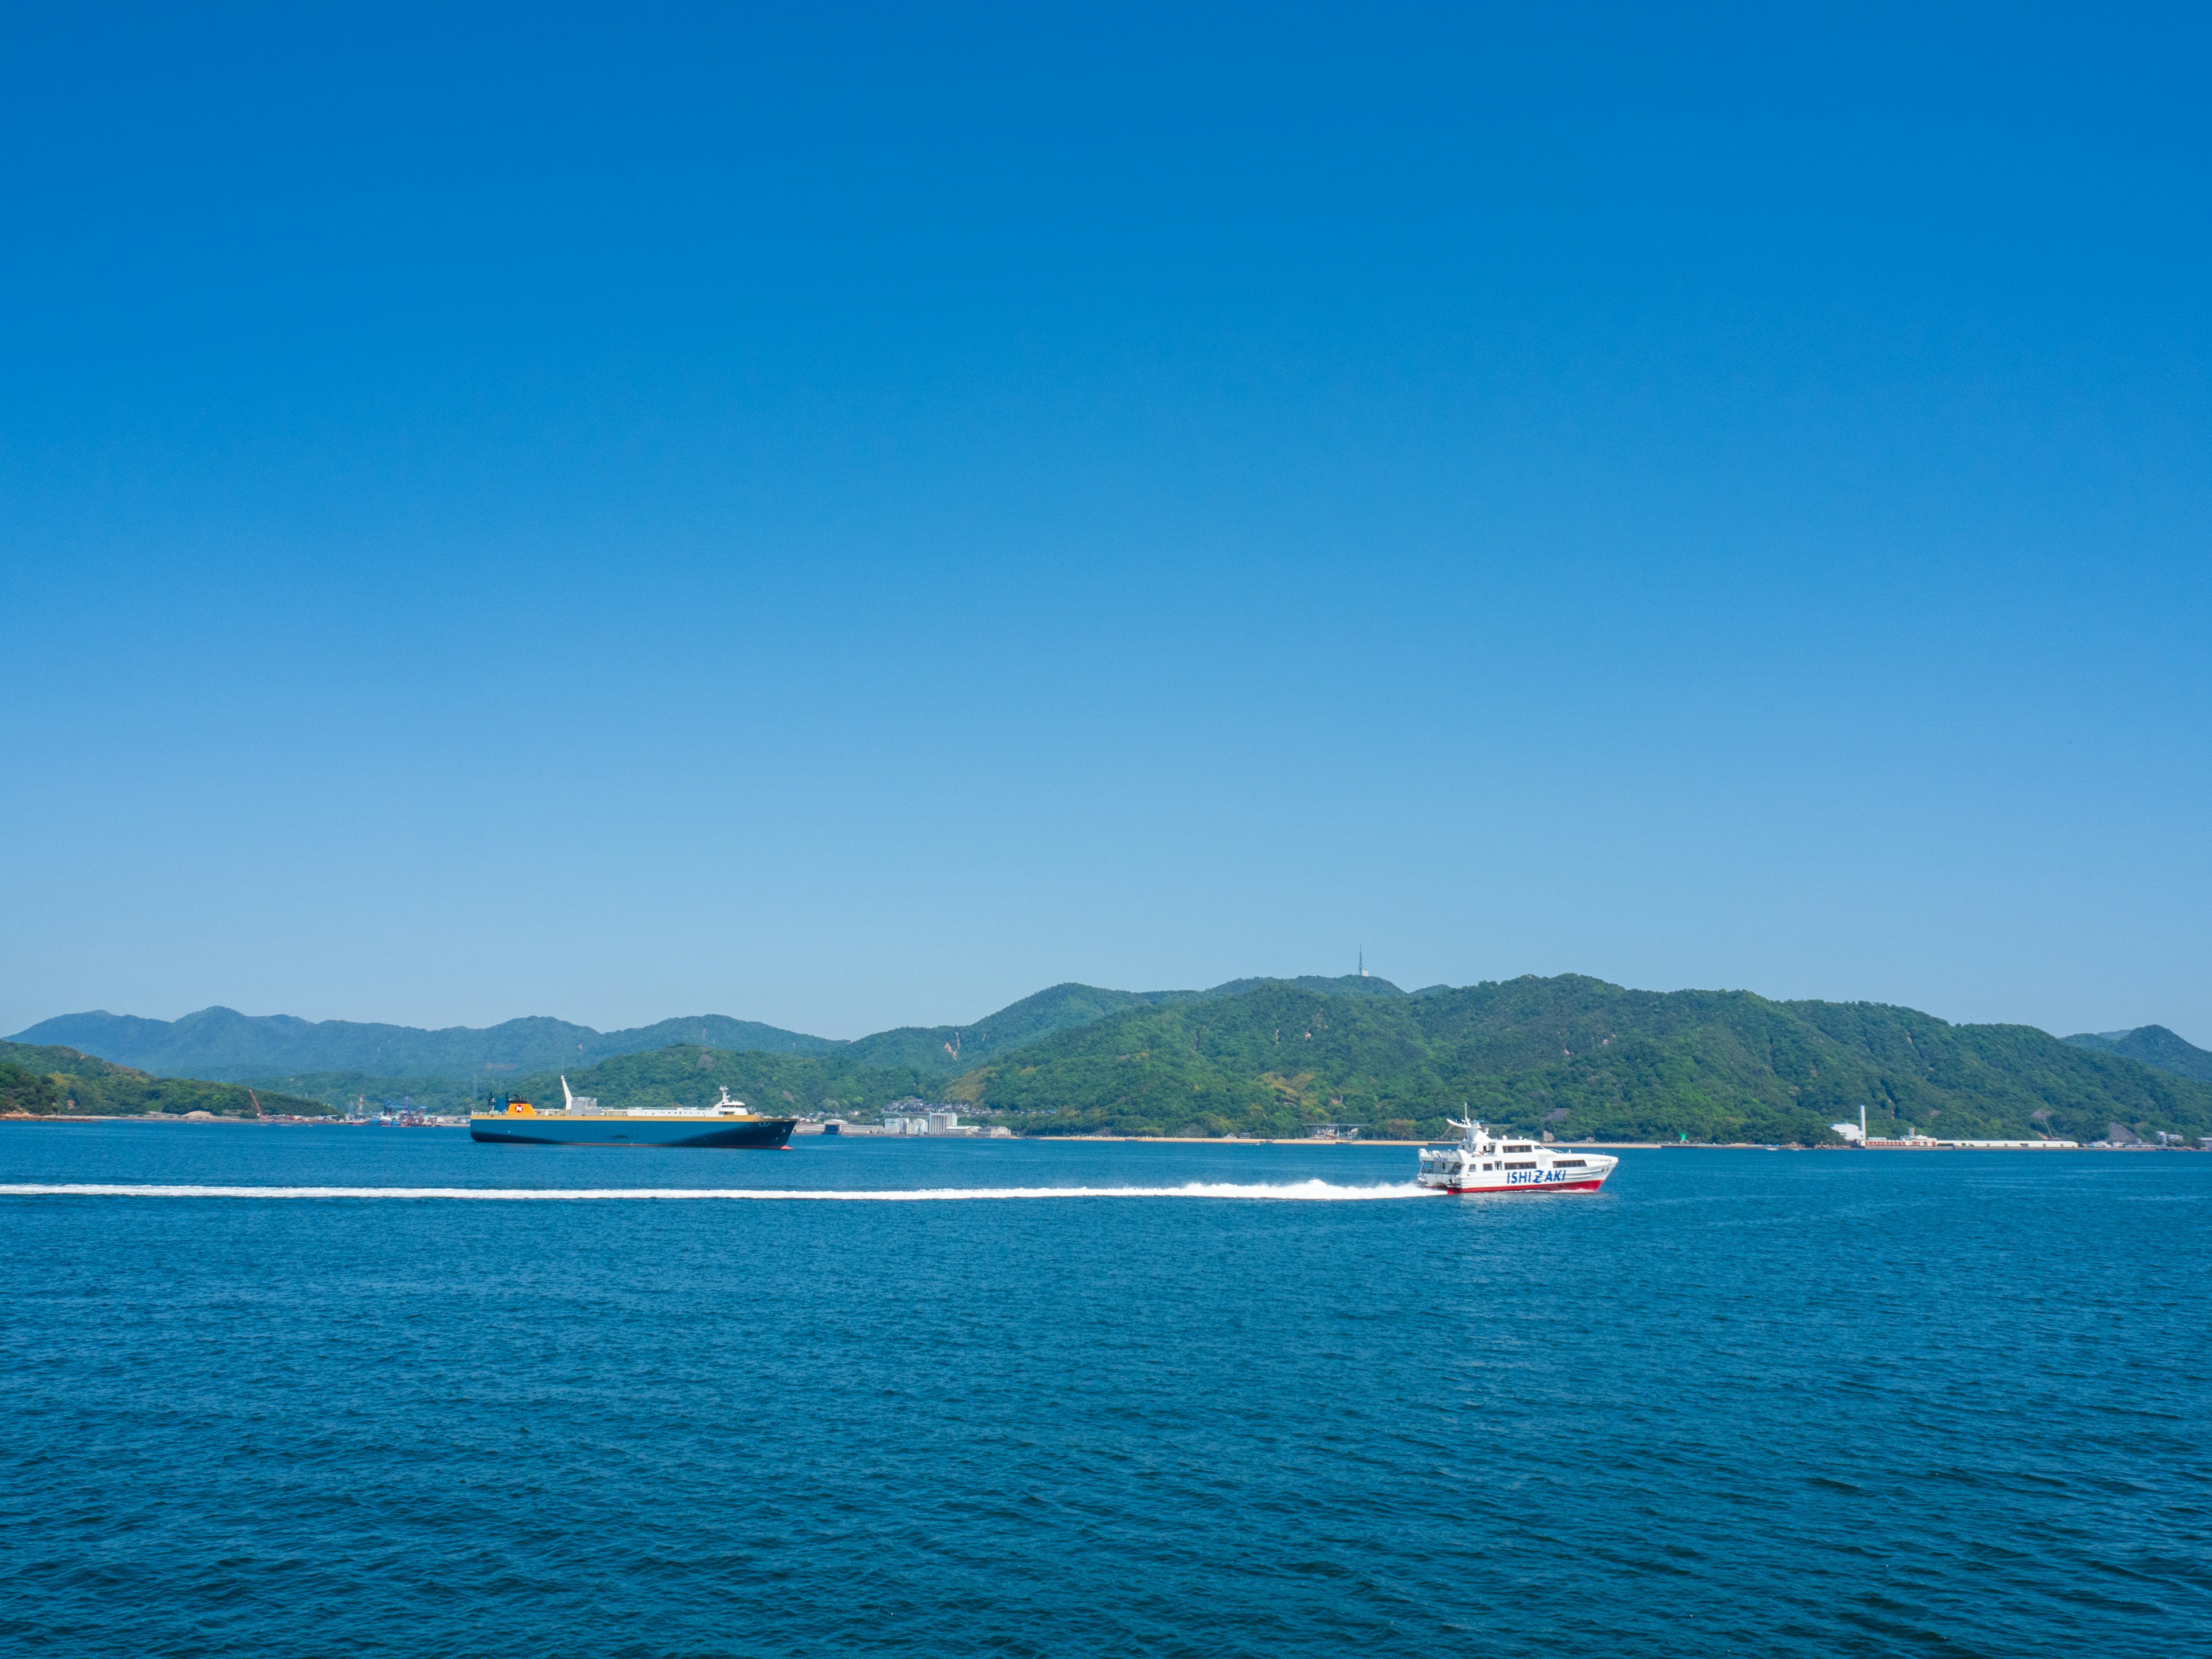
[{"x": 921, "y": 1117}]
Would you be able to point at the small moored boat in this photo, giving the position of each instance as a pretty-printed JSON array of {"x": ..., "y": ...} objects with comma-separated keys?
[{"x": 1488, "y": 1162}]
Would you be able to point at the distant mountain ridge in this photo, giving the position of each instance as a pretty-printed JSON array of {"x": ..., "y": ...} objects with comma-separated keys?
[
  {"x": 2153, "y": 1045},
  {"x": 223, "y": 1044},
  {"x": 1571, "y": 1055}
]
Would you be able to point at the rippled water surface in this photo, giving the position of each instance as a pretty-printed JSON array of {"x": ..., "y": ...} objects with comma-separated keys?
[{"x": 1818, "y": 1403}]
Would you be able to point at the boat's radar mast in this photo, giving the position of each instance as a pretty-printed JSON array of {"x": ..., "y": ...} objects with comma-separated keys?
[
  {"x": 729, "y": 1105},
  {"x": 1471, "y": 1125}
]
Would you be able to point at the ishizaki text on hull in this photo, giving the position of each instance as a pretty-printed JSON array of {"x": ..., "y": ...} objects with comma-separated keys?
[
  {"x": 580, "y": 1122},
  {"x": 1487, "y": 1162}
]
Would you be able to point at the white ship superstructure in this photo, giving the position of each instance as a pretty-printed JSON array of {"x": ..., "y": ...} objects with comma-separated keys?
[{"x": 1486, "y": 1161}]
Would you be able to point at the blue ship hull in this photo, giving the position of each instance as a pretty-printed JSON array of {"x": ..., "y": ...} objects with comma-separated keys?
[{"x": 549, "y": 1129}]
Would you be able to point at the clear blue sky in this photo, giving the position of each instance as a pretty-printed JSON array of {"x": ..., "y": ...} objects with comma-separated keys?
[{"x": 845, "y": 516}]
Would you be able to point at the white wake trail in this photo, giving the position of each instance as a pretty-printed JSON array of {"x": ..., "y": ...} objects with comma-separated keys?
[{"x": 1302, "y": 1191}]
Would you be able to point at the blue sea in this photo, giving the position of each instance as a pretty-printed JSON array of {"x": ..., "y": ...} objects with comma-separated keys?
[{"x": 1747, "y": 1402}]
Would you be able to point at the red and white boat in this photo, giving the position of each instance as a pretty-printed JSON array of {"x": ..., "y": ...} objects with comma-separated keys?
[{"x": 1487, "y": 1162}]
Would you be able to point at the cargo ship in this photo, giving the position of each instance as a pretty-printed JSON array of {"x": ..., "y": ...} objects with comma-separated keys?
[
  {"x": 1488, "y": 1162},
  {"x": 580, "y": 1122}
]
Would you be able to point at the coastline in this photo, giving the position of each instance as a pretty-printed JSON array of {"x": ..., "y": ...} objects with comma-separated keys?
[
  {"x": 1135, "y": 1140},
  {"x": 1308, "y": 1140},
  {"x": 271, "y": 1122}
]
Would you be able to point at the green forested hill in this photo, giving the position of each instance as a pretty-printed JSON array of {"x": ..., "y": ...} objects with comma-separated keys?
[
  {"x": 869, "y": 1072},
  {"x": 1345, "y": 985},
  {"x": 1574, "y": 1055},
  {"x": 949, "y": 1050},
  {"x": 44, "y": 1079},
  {"x": 945, "y": 1050},
  {"x": 2154, "y": 1045}
]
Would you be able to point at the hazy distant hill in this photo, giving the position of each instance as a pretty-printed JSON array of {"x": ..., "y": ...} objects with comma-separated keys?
[
  {"x": 45, "y": 1079},
  {"x": 2153, "y": 1045},
  {"x": 221, "y": 1042},
  {"x": 344, "y": 1055}
]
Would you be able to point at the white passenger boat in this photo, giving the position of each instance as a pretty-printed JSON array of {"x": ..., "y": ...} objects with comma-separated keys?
[{"x": 1488, "y": 1162}]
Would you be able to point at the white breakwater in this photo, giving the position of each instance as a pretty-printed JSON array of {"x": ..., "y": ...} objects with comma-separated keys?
[{"x": 1300, "y": 1191}]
